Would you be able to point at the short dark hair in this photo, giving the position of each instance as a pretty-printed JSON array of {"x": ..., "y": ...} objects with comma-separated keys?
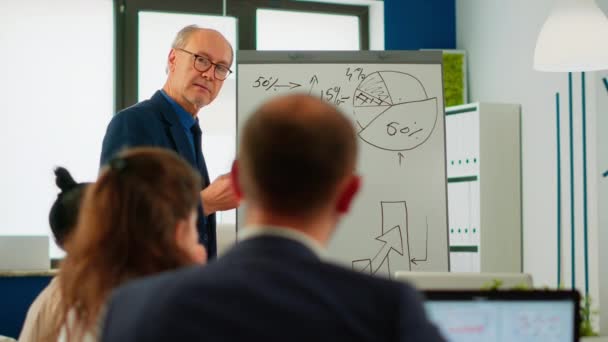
[
  {"x": 294, "y": 151},
  {"x": 64, "y": 211}
]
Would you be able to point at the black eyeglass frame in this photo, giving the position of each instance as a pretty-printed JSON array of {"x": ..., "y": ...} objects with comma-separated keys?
[{"x": 211, "y": 64}]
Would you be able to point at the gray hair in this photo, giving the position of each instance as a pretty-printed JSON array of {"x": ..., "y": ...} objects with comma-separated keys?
[{"x": 181, "y": 40}]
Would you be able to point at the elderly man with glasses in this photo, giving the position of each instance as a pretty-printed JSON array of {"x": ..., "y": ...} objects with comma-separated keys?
[{"x": 198, "y": 63}]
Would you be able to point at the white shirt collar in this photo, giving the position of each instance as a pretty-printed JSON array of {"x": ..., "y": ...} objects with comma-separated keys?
[{"x": 250, "y": 232}]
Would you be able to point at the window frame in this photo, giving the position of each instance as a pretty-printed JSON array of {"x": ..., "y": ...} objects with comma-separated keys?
[{"x": 126, "y": 29}]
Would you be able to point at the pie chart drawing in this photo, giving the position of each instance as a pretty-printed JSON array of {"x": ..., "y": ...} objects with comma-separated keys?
[{"x": 393, "y": 111}]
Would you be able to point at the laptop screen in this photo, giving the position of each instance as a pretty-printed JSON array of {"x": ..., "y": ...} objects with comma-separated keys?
[{"x": 501, "y": 316}]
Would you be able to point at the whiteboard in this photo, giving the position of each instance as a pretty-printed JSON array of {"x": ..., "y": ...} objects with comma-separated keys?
[{"x": 395, "y": 100}]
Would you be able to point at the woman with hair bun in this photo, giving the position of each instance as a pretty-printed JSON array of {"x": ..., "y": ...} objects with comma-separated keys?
[{"x": 42, "y": 320}]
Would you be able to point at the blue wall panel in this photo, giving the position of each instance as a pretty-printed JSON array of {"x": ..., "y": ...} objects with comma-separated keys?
[{"x": 419, "y": 24}]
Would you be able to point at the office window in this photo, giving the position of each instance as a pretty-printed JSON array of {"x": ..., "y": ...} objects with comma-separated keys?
[
  {"x": 57, "y": 98},
  {"x": 375, "y": 15},
  {"x": 290, "y": 30}
]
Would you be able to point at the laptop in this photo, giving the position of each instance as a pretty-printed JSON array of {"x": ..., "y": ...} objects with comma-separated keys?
[{"x": 505, "y": 316}]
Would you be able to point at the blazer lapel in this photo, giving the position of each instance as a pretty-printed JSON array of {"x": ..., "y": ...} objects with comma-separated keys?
[
  {"x": 182, "y": 144},
  {"x": 176, "y": 130}
]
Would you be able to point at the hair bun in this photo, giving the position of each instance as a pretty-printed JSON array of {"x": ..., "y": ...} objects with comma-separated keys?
[{"x": 64, "y": 179}]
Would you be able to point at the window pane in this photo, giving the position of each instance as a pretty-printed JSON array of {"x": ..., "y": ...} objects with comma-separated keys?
[
  {"x": 291, "y": 30},
  {"x": 55, "y": 112}
]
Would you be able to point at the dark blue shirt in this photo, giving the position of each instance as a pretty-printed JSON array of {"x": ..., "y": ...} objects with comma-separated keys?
[{"x": 185, "y": 118}]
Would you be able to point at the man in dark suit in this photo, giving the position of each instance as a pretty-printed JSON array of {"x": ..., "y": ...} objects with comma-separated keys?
[
  {"x": 296, "y": 170},
  {"x": 198, "y": 63}
]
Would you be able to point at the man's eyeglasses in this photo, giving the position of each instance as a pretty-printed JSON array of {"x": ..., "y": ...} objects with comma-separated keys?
[{"x": 202, "y": 64}]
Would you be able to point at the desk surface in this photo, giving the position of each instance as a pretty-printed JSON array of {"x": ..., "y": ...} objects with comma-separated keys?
[
  {"x": 595, "y": 339},
  {"x": 42, "y": 273}
]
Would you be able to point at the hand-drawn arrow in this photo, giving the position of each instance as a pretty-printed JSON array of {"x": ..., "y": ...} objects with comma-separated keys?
[
  {"x": 291, "y": 85},
  {"x": 605, "y": 83},
  {"x": 426, "y": 245},
  {"x": 401, "y": 157},
  {"x": 392, "y": 242},
  {"x": 314, "y": 80}
]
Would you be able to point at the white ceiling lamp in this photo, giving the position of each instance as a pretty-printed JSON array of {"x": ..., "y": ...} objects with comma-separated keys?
[{"x": 573, "y": 38}]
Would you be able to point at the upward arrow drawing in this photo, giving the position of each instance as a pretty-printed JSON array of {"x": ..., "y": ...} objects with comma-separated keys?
[
  {"x": 401, "y": 156},
  {"x": 394, "y": 227},
  {"x": 392, "y": 242},
  {"x": 314, "y": 80}
]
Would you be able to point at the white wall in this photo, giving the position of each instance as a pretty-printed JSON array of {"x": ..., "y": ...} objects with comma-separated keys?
[
  {"x": 499, "y": 38},
  {"x": 57, "y": 98},
  {"x": 602, "y": 167}
]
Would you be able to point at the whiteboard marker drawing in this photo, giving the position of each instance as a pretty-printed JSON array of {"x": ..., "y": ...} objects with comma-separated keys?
[
  {"x": 394, "y": 222},
  {"x": 394, "y": 101},
  {"x": 394, "y": 111},
  {"x": 426, "y": 246},
  {"x": 268, "y": 83}
]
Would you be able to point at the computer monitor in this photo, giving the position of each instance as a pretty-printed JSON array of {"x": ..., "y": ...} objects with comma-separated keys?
[{"x": 505, "y": 316}]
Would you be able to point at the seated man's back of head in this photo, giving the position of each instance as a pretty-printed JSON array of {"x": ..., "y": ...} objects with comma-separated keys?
[{"x": 296, "y": 171}]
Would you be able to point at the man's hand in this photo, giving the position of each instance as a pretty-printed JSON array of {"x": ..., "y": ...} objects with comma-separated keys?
[{"x": 219, "y": 195}]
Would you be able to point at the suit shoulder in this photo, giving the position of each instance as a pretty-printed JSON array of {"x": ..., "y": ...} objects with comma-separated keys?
[
  {"x": 142, "y": 111},
  {"x": 364, "y": 278},
  {"x": 135, "y": 125},
  {"x": 138, "y": 302},
  {"x": 404, "y": 302}
]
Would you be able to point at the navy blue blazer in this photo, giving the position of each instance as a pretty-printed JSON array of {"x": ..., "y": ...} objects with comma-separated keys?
[
  {"x": 153, "y": 122},
  {"x": 267, "y": 289}
]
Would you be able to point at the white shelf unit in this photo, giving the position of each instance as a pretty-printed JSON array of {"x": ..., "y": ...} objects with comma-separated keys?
[{"x": 484, "y": 187}]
